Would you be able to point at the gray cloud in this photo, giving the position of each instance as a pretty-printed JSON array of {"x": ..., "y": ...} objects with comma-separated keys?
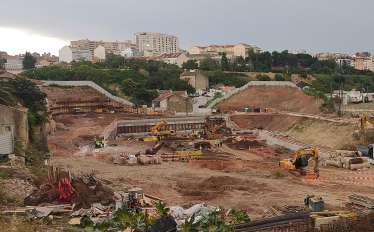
[{"x": 318, "y": 25}]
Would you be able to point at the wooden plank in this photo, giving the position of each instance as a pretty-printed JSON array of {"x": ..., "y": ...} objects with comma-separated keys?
[{"x": 153, "y": 197}]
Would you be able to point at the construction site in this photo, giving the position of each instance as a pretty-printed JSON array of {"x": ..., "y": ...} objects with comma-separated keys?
[{"x": 289, "y": 165}]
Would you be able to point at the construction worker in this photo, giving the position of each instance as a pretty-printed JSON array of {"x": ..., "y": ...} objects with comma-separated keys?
[
  {"x": 220, "y": 143},
  {"x": 216, "y": 143},
  {"x": 102, "y": 142},
  {"x": 200, "y": 147},
  {"x": 97, "y": 144},
  {"x": 137, "y": 154}
]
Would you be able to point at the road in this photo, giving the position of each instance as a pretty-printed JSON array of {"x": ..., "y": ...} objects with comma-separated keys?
[{"x": 199, "y": 101}]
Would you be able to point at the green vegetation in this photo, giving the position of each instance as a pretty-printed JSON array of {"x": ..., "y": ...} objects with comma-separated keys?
[
  {"x": 278, "y": 174},
  {"x": 2, "y": 62},
  {"x": 28, "y": 61}
]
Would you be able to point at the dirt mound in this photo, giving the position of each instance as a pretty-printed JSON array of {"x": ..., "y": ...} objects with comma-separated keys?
[
  {"x": 214, "y": 186},
  {"x": 242, "y": 144},
  {"x": 83, "y": 140},
  {"x": 278, "y": 123},
  {"x": 277, "y": 97}
]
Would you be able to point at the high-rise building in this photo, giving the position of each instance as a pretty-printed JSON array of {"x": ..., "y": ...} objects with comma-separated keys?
[{"x": 162, "y": 43}]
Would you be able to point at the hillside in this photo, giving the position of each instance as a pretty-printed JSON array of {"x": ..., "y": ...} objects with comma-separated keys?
[
  {"x": 333, "y": 135},
  {"x": 277, "y": 97}
]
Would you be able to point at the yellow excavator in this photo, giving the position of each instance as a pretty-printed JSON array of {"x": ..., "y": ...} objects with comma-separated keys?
[
  {"x": 365, "y": 119},
  {"x": 156, "y": 130},
  {"x": 223, "y": 125},
  {"x": 300, "y": 160}
]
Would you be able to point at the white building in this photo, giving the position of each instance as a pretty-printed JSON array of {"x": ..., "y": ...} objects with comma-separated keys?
[
  {"x": 128, "y": 52},
  {"x": 162, "y": 43},
  {"x": 99, "y": 52},
  {"x": 69, "y": 53}
]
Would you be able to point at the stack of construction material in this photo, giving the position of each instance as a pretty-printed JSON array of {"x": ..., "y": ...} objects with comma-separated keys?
[
  {"x": 352, "y": 160},
  {"x": 360, "y": 205}
]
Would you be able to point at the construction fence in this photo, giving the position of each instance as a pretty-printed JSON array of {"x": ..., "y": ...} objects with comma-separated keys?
[
  {"x": 354, "y": 109},
  {"x": 252, "y": 83},
  {"x": 354, "y": 178}
]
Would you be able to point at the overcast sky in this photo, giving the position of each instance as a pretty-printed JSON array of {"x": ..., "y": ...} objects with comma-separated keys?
[{"x": 344, "y": 26}]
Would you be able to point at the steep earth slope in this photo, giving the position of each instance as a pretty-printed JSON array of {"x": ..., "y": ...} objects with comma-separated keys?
[{"x": 278, "y": 97}]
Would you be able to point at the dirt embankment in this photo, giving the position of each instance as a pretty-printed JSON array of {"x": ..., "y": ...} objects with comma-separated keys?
[
  {"x": 333, "y": 135},
  {"x": 278, "y": 123},
  {"x": 277, "y": 97}
]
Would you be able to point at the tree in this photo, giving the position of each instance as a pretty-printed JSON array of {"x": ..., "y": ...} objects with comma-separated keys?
[
  {"x": 129, "y": 87},
  {"x": 28, "y": 61},
  {"x": 263, "y": 77},
  {"x": 279, "y": 77},
  {"x": 218, "y": 74},
  {"x": 7, "y": 92},
  {"x": 29, "y": 93},
  {"x": 224, "y": 62},
  {"x": 209, "y": 64},
  {"x": 86, "y": 72},
  {"x": 2, "y": 62},
  {"x": 190, "y": 64},
  {"x": 176, "y": 84}
]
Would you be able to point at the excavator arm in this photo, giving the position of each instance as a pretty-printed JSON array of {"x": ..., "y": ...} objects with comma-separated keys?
[
  {"x": 157, "y": 129},
  {"x": 365, "y": 119},
  {"x": 220, "y": 126}
]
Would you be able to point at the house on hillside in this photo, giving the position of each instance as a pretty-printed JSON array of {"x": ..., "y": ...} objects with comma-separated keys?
[
  {"x": 173, "y": 102},
  {"x": 163, "y": 92},
  {"x": 196, "y": 78},
  {"x": 227, "y": 89}
]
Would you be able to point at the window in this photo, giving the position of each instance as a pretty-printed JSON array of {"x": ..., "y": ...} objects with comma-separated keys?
[{"x": 7, "y": 128}]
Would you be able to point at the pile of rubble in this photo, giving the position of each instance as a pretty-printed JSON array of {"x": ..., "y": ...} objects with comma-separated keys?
[
  {"x": 352, "y": 160},
  {"x": 360, "y": 205}
]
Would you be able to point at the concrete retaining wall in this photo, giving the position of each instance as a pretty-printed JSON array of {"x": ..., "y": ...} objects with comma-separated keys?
[
  {"x": 91, "y": 84},
  {"x": 251, "y": 83}
]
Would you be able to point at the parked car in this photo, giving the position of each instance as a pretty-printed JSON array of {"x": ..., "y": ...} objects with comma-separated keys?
[
  {"x": 201, "y": 106},
  {"x": 207, "y": 95}
]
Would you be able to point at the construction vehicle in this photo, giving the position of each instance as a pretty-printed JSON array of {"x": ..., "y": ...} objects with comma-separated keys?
[
  {"x": 154, "y": 149},
  {"x": 156, "y": 130},
  {"x": 216, "y": 129},
  {"x": 300, "y": 160},
  {"x": 365, "y": 119},
  {"x": 188, "y": 153},
  {"x": 206, "y": 133}
]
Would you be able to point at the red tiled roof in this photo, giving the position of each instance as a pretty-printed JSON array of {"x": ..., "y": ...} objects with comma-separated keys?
[
  {"x": 189, "y": 73},
  {"x": 228, "y": 88},
  {"x": 7, "y": 74},
  {"x": 164, "y": 97},
  {"x": 200, "y": 47},
  {"x": 172, "y": 55}
]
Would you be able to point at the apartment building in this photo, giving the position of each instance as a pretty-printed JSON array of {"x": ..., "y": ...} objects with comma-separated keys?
[
  {"x": 362, "y": 61},
  {"x": 162, "y": 43},
  {"x": 69, "y": 53},
  {"x": 111, "y": 47},
  {"x": 239, "y": 49}
]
